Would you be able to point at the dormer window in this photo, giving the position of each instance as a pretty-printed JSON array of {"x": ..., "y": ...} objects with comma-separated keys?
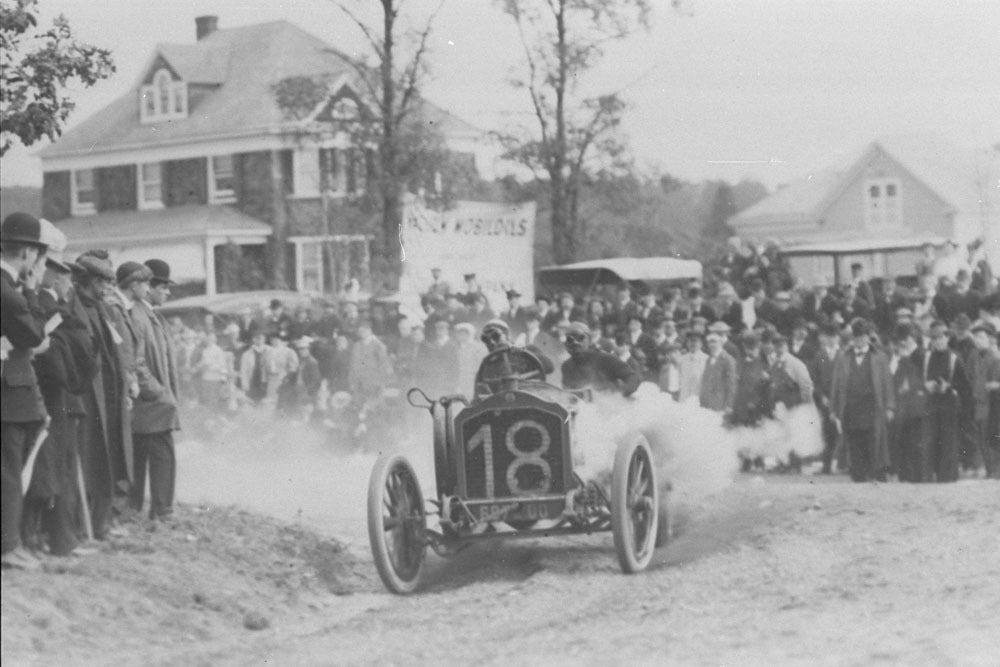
[{"x": 163, "y": 99}]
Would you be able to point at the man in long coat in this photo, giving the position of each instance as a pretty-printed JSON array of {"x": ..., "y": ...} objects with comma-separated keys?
[
  {"x": 863, "y": 403},
  {"x": 154, "y": 412},
  {"x": 64, "y": 372},
  {"x": 21, "y": 265},
  {"x": 106, "y": 433}
]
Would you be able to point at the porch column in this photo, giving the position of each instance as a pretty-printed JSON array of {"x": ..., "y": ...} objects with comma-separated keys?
[{"x": 210, "y": 266}]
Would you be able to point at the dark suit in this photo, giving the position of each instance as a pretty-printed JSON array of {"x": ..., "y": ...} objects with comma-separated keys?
[
  {"x": 906, "y": 447},
  {"x": 154, "y": 412},
  {"x": 23, "y": 411},
  {"x": 861, "y": 395},
  {"x": 718, "y": 383},
  {"x": 944, "y": 410},
  {"x": 821, "y": 369}
]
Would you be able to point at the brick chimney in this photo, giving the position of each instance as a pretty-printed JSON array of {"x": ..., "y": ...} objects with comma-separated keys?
[{"x": 205, "y": 26}]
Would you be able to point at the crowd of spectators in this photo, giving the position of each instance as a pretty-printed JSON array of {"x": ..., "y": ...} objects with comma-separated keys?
[{"x": 905, "y": 376}]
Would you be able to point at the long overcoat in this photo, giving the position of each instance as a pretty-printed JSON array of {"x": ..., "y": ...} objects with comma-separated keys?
[
  {"x": 885, "y": 400},
  {"x": 155, "y": 409},
  {"x": 115, "y": 424}
]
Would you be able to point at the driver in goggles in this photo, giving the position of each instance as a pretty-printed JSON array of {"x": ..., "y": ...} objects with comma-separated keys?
[
  {"x": 588, "y": 367},
  {"x": 496, "y": 337}
]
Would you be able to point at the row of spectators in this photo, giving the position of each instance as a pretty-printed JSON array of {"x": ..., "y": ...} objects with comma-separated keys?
[{"x": 89, "y": 394}]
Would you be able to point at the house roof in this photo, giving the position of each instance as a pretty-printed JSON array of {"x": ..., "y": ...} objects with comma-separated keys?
[
  {"x": 946, "y": 170},
  {"x": 245, "y": 63},
  {"x": 172, "y": 222}
]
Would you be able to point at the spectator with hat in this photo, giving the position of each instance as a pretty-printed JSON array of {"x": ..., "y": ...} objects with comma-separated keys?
[
  {"x": 370, "y": 369},
  {"x": 791, "y": 384},
  {"x": 438, "y": 287},
  {"x": 515, "y": 313},
  {"x": 258, "y": 364},
  {"x": 563, "y": 313},
  {"x": 821, "y": 369},
  {"x": 906, "y": 447},
  {"x": 282, "y": 386},
  {"x": 64, "y": 371},
  {"x": 154, "y": 412},
  {"x": 472, "y": 290},
  {"x": 22, "y": 263},
  {"x": 753, "y": 390},
  {"x": 799, "y": 343},
  {"x": 984, "y": 376},
  {"x": 862, "y": 404},
  {"x": 718, "y": 381},
  {"x": 106, "y": 451},
  {"x": 308, "y": 378},
  {"x": 669, "y": 370},
  {"x": 436, "y": 363},
  {"x": 692, "y": 365},
  {"x": 946, "y": 381}
]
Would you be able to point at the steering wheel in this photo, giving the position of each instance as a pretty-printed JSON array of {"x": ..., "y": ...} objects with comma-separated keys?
[{"x": 509, "y": 364}]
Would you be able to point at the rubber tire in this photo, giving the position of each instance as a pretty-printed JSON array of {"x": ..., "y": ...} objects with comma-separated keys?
[
  {"x": 393, "y": 580},
  {"x": 631, "y": 560}
]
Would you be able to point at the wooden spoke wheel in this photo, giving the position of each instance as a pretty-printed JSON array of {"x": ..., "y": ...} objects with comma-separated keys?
[
  {"x": 396, "y": 524},
  {"x": 634, "y": 505}
]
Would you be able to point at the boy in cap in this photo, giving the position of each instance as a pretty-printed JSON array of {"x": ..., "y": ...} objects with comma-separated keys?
[{"x": 22, "y": 263}]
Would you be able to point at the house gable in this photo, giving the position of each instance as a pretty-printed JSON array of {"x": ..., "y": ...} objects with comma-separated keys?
[{"x": 852, "y": 209}]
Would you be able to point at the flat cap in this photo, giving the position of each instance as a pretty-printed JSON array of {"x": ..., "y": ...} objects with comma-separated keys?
[{"x": 97, "y": 267}]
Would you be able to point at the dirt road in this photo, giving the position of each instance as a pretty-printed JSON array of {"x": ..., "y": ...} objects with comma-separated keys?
[{"x": 775, "y": 570}]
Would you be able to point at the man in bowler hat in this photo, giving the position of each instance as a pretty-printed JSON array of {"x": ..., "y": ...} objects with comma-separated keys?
[
  {"x": 154, "y": 412},
  {"x": 22, "y": 263}
]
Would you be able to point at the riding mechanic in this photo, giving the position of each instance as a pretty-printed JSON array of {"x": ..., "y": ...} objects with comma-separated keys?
[{"x": 588, "y": 367}]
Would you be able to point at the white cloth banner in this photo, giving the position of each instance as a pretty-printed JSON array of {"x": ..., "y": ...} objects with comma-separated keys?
[{"x": 494, "y": 241}]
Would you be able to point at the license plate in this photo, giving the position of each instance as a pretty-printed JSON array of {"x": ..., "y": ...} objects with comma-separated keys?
[{"x": 524, "y": 510}]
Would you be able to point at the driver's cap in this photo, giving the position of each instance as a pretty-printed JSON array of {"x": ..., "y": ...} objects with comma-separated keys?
[
  {"x": 578, "y": 328},
  {"x": 496, "y": 324}
]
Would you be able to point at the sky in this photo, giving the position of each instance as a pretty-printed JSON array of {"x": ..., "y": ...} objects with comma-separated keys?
[{"x": 729, "y": 89}]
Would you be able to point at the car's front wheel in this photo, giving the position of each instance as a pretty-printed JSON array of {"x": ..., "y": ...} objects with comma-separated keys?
[
  {"x": 397, "y": 523},
  {"x": 634, "y": 505}
]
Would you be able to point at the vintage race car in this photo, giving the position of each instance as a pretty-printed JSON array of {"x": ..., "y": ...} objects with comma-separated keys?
[{"x": 504, "y": 468}]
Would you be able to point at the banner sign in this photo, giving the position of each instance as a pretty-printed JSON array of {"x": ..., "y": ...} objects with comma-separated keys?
[{"x": 494, "y": 241}]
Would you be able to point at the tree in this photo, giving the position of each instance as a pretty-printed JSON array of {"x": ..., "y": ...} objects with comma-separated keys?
[
  {"x": 392, "y": 90},
  {"x": 573, "y": 135},
  {"x": 35, "y": 68}
]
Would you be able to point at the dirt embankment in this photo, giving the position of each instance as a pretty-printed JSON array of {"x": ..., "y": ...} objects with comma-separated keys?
[{"x": 213, "y": 575}]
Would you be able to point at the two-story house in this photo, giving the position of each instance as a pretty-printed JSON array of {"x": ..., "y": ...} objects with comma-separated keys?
[
  {"x": 200, "y": 158},
  {"x": 879, "y": 205}
]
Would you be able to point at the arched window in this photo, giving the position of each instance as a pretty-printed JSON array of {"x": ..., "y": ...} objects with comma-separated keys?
[{"x": 163, "y": 99}]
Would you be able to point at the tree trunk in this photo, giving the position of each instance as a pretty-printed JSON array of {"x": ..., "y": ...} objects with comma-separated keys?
[{"x": 389, "y": 178}]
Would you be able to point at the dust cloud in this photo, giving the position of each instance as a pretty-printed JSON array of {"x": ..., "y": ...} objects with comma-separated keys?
[
  {"x": 297, "y": 472},
  {"x": 695, "y": 453},
  {"x": 290, "y": 470}
]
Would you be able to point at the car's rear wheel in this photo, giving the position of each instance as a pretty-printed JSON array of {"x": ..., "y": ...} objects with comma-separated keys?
[
  {"x": 396, "y": 524},
  {"x": 634, "y": 505}
]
